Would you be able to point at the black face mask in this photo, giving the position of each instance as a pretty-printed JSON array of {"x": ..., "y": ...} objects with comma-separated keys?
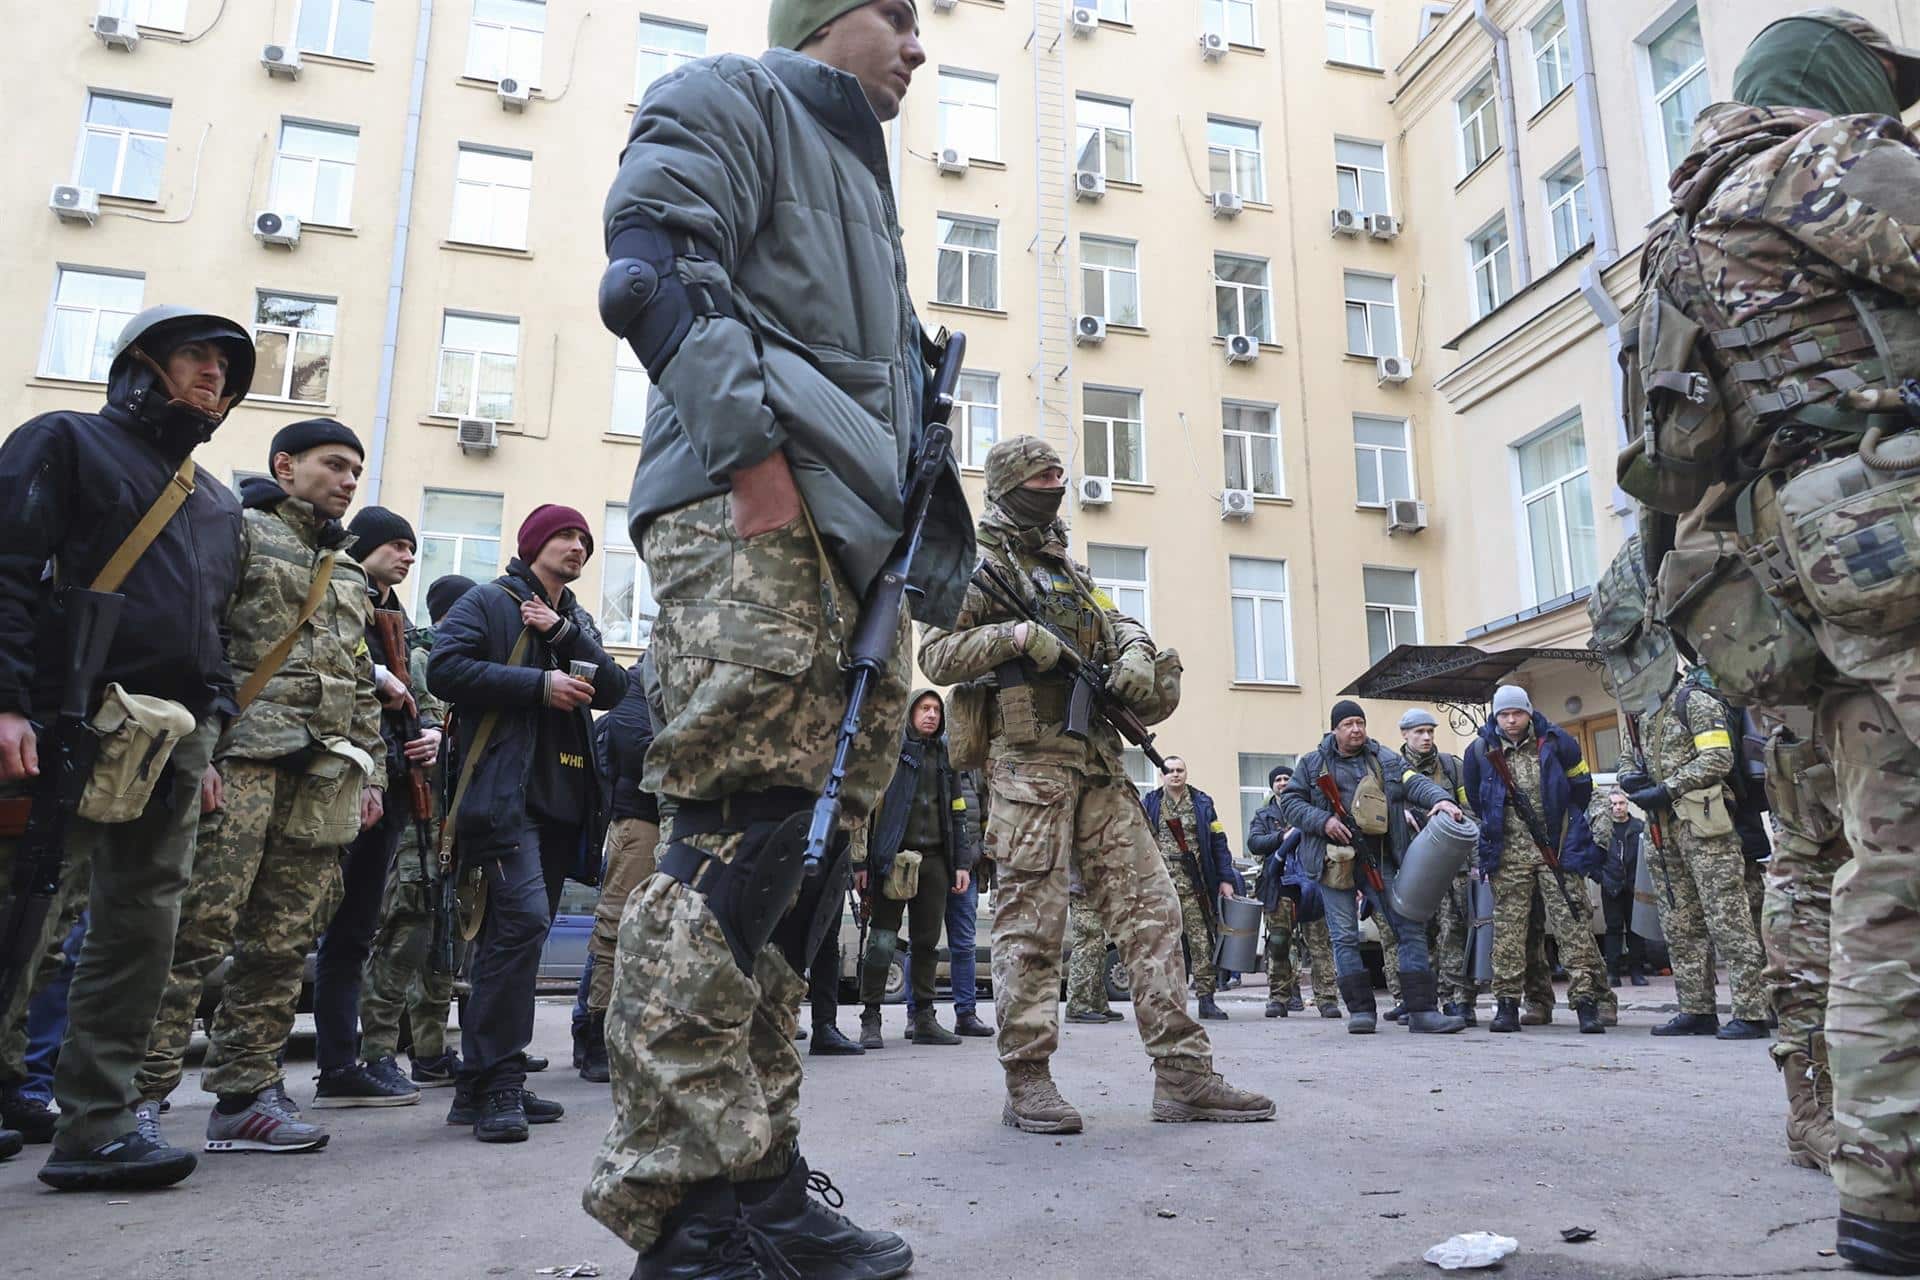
[{"x": 1032, "y": 508}]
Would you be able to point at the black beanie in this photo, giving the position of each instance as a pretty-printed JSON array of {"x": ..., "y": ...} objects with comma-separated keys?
[
  {"x": 445, "y": 593},
  {"x": 1345, "y": 709},
  {"x": 297, "y": 437},
  {"x": 1277, "y": 770},
  {"x": 376, "y": 527}
]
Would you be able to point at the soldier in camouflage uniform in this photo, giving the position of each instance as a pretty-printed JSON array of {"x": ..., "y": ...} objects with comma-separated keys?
[
  {"x": 1086, "y": 958},
  {"x": 1699, "y": 866},
  {"x": 1059, "y": 799},
  {"x": 1447, "y": 930},
  {"x": 1193, "y": 840},
  {"x": 1316, "y": 944},
  {"x": 311, "y": 736}
]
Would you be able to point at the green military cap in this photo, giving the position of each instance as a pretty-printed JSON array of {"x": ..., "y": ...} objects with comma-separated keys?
[
  {"x": 791, "y": 22},
  {"x": 1016, "y": 460}
]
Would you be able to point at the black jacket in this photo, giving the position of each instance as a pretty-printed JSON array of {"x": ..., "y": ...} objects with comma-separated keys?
[
  {"x": 72, "y": 486},
  {"x": 469, "y": 672},
  {"x": 1304, "y": 805},
  {"x": 1622, "y": 856},
  {"x": 959, "y": 799},
  {"x": 621, "y": 739}
]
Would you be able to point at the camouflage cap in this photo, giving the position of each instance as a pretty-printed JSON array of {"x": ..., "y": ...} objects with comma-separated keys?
[
  {"x": 1906, "y": 61},
  {"x": 1016, "y": 460}
]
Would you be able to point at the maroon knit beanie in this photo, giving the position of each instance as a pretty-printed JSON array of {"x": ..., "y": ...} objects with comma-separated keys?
[{"x": 543, "y": 523}]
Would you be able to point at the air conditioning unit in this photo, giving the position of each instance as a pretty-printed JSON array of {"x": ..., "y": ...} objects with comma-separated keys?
[
  {"x": 945, "y": 6},
  {"x": 1213, "y": 46},
  {"x": 1382, "y": 226},
  {"x": 477, "y": 435},
  {"x": 281, "y": 60},
  {"x": 1236, "y": 504},
  {"x": 1242, "y": 348},
  {"x": 1393, "y": 369},
  {"x": 276, "y": 228},
  {"x": 514, "y": 94},
  {"x": 1089, "y": 330},
  {"x": 951, "y": 160},
  {"x": 116, "y": 32},
  {"x": 1347, "y": 222},
  {"x": 1406, "y": 516},
  {"x": 1088, "y": 185},
  {"x": 1227, "y": 204},
  {"x": 75, "y": 204},
  {"x": 1094, "y": 491},
  {"x": 1084, "y": 20}
]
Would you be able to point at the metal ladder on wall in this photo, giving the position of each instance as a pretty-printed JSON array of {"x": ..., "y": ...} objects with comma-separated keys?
[{"x": 1052, "y": 371}]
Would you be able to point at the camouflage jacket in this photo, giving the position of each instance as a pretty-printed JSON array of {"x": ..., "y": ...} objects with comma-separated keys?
[
  {"x": 1690, "y": 752},
  {"x": 324, "y": 690},
  {"x": 982, "y": 640}
]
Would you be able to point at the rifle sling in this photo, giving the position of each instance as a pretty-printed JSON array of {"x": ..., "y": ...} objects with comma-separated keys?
[{"x": 270, "y": 665}]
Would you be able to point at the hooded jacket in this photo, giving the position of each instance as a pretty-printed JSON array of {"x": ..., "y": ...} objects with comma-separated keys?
[
  {"x": 1566, "y": 784},
  {"x": 1213, "y": 853},
  {"x": 924, "y": 765},
  {"x": 1305, "y": 806}
]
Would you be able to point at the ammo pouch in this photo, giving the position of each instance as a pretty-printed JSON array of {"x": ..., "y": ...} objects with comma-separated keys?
[
  {"x": 135, "y": 737},
  {"x": 1019, "y": 716},
  {"x": 1850, "y": 535},
  {"x": 968, "y": 706},
  {"x": 1369, "y": 807},
  {"x": 1756, "y": 646},
  {"x": 1705, "y": 811},
  {"x": 1801, "y": 789},
  {"x": 1338, "y": 873},
  {"x": 1165, "y": 698},
  {"x": 325, "y": 813},
  {"x": 903, "y": 877},
  {"x": 1675, "y": 417},
  {"x": 1636, "y": 650}
]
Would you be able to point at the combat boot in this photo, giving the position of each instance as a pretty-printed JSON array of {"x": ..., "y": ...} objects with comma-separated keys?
[
  {"x": 1536, "y": 1015},
  {"x": 1418, "y": 986},
  {"x": 969, "y": 1024},
  {"x": 1689, "y": 1024},
  {"x": 1357, "y": 990},
  {"x": 706, "y": 1238},
  {"x": 828, "y": 1042},
  {"x": 594, "y": 1067},
  {"x": 1190, "y": 1089},
  {"x": 1890, "y": 1248},
  {"x": 1506, "y": 1016},
  {"x": 1589, "y": 1015},
  {"x": 870, "y": 1028},
  {"x": 1211, "y": 1012},
  {"x": 1810, "y": 1137},
  {"x": 927, "y": 1029},
  {"x": 1276, "y": 1008},
  {"x": 1741, "y": 1029},
  {"x": 28, "y": 1114},
  {"x": 814, "y": 1240},
  {"x": 1034, "y": 1104}
]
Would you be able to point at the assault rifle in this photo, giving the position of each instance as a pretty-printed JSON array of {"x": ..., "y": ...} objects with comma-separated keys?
[
  {"x": 878, "y": 629},
  {"x": 1638, "y": 779},
  {"x": 1201, "y": 889},
  {"x": 1537, "y": 829},
  {"x": 391, "y": 626}
]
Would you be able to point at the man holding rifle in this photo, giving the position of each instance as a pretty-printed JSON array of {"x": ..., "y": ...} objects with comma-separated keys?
[
  {"x": 757, "y": 273},
  {"x": 1193, "y": 840},
  {"x": 1054, "y": 648}
]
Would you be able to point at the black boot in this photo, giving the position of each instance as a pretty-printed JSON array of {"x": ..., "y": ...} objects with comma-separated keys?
[
  {"x": 1588, "y": 1012},
  {"x": 1890, "y": 1248},
  {"x": 1689, "y": 1024},
  {"x": 593, "y": 1065},
  {"x": 1210, "y": 1011},
  {"x": 582, "y": 1033},
  {"x": 1637, "y": 975},
  {"x": 815, "y": 1241},
  {"x": 28, "y": 1116},
  {"x": 1506, "y": 1017},
  {"x": 1418, "y": 986},
  {"x": 1276, "y": 1008},
  {"x": 969, "y": 1024},
  {"x": 1357, "y": 990},
  {"x": 1399, "y": 1009},
  {"x": 1741, "y": 1029},
  {"x": 829, "y": 1043},
  {"x": 10, "y": 1143},
  {"x": 705, "y": 1238}
]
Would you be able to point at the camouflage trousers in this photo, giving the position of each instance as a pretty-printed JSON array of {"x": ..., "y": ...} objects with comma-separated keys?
[
  {"x": 1086, "y": 959},
  {"x": 632, "y": 844},
  {"x": 1521, "y": 874},
  {"x": 252, "y": 893},
  {"x": 399, "y": 980},
  {"x": 1701, "y": 890},
  {"x": 1042, "y": 816},
  {"x": 1389, "y": 953},
  {"x": 1281, "y": 978},
  {"x": 1317, "y": 943},
  {"x": 1447, "y": 935},
  {"x": 1796, "y": 916},
  {"x": 1196, "y": 928},
  {"x": 69, "y": 901},
  {"x": 706, "y": 1083}
]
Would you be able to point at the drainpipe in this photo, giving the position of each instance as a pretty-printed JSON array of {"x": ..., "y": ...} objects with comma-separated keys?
[
  {"x": 1606, "y": 242},
  {"x": 1510, "y": 133},
  {"x": 397, "y": 271}
]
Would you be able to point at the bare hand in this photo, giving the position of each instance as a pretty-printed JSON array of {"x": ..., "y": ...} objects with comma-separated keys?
[
  {"x": 1337, "y": 832},
  {"x": 537, "y": 616},
  {"x": 1226, "y": 890},
  {"x": 372, "y": 804},
  {"x": 860, "y": 880},
  {"x": 19, "y": 748},
  {"x": 1451, "y": 809},
  {"x": 393, "y": 695},
  {"x": 764, "y": 496},
  {"x": 424, "y": 748},
  {"x": 565, "y": 692},
  {"x": 213, "y": 791},
  {"x": 962, "y": 881}
]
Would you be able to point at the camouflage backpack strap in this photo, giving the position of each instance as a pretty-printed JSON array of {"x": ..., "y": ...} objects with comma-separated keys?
[{"x": 276, "y": 657}]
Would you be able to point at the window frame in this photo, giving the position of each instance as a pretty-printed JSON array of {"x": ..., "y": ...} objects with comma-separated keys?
[
  {"x": 942, "y": 103},
  {"x": 1348, "y": 12},
  {"x": 964, "y": 409},
  {"x": 293, "y": 332},
  {"x": 1555, "y": 488},
  {"x": 1115, "y": 587},
  {"x": 1254, "y": 798},
  {"x": 626, "y": 362},
  {"x": 1239, "y": 289},
  {"x": 622, "y": 552},
  {"x": 1103, "y": 132},
  {"x": 1368, "y": 308},
  {"x": 1559, "y": 47},
  {"x": 1106, "y": 283},
  {"x": 1257, "y": 596},
  {"x": 1483, "y": 123},
  {"x": 1656, "y": 97},
  {"x": 1491, "y": 272},
  {"x": 1226, "y": 10},
  {"x": 1340, "y": 168},
  {"x": 531, "y": 80},
  {"x": 1574, "y": 201},
  {"x": 967, "y": 254},
  {"x": 1232, "y": 152},
  {"x": 1392, "y": 611},
  {"x": 1125, "y": 8},
  {"x": 1107, "y": 424},
  {"x": 473, "y": 391},
  {"x": 675, "y": 58},
  {"x": 423, "y": 579},
  {"x": 1245, "y": 444},
  {"x": 281, "y": 156},
  {"x": 44, "y": 369},
  {"x": 125, "y": 138},
  {"x": 1378, "y": 452},
  {"x": 126, "y": 9},
  {"x": 333, "y": 30},
  {"x": 493, "y": 190}
]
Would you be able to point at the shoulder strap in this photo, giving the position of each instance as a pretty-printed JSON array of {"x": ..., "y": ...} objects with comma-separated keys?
[
  {"x": 276, "y": 656},
  {"x": 179, "y": 488},
  {"x": 481, "y": 736}
]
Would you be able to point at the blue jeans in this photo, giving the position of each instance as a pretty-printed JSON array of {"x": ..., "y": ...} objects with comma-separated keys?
[
  {"x": 1343, "y": 923},
  {"x": 962, "y": 914},
  {"x": 47, "y": 1020}
]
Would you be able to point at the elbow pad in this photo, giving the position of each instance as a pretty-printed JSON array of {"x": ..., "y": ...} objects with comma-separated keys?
[{"x": 644, "y": 301}]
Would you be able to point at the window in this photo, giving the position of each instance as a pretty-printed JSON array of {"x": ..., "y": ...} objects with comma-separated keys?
[
  {"x": 1233, "y": 159},
  {"x": 630, "y": 386},
  {"x": 504, "y": 40},
  {"x": 1262, "y": 645},
  {"x": 1110, "y": 279},
  {"x": 478, "y": 357},
  {"x": 1232, "y": 19},
  {"x": 1139, "y": 772},
  {"x": 1678, "y": 58},
  {"x": 976, "y": 400},
  {"x": 293, "y": 342},
  {"x": 1567, "y": 208},
  {"x": 1254, "y": 791},
  {"x": 1241, "y": 294},
  {"x": 123, "y": 146},
  {"x": 1382, "y": 461},
  {"x": 970, "y": 114},
  {"x": 1103, "y": 138},
  {"x": 1350, "y": 36},
  {"x": 1557, "y": 503},
  {"x": 343, "y": 28},
  {"x": 1431, "y": 16},
  {"x": 1552, "y": 64},
  {"x": 163, "y": 15},
  {"x": 1121, "y": 572},
  {"x": 1490, "y": 263},
  {"x": 313, "y": 174},
  {"x": 1479, "y": 131},
  {"x": 968, "y": 273},
  {"x": 490, "y": 194},
  {"x": 90, "y": 308},
  {"x": 1115, "y": 435},
  {"x": 1373, "y": 323},
  {"x": 1360, "y": 171},
  {"x": 627, "y": 606},
  {"x": 1250, "y": 438},
  {"x": 1393, "y": 609},
  {"x": 665, "y": 46},
  {"x": 459, "y": 533},
  {"x": 1116, "y": 10}
]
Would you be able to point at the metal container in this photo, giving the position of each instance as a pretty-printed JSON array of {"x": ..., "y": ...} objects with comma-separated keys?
[
  {"x": 1433, "y": 859},
  {"x": 1647, "y": 892},
  {"x": 1238, "y": 948},
  {"x": 1481, "y": 946}
]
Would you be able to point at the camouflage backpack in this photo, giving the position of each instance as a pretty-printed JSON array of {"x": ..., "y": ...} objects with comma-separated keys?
[{"x": 1636, "y": 648}]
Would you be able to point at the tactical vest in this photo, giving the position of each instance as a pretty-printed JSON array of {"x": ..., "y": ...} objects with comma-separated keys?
[{"x": 1069, "y": 604}]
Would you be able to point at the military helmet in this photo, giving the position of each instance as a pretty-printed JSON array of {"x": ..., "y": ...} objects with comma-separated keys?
[
  {"x": 158, "y": 330},
  {"x": 1906, "y": 79},
  {"x": 1014, "y": 461}
]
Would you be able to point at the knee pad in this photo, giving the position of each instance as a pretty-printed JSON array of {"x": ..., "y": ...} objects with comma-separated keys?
[{"x": 881, "y": 946}]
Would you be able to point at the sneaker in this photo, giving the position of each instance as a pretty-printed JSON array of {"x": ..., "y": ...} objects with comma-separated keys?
[
  {"x": 437, "y": 1072},
  {"x": 134, "y": 1161},
  {"x": 29, "y": 1115},
  {"x": 269, "y": 1123},
  {"x": 370, "y": 1084},
  {"x": 1114, "y": 1015},
  {"x": 468, "y": 1106},
  {"x": 503, "y": 1118},
  {"x": 540, "y": 1110}
]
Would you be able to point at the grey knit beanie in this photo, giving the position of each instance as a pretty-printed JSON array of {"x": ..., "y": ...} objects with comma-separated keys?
[{"x": 790, "y": 22}]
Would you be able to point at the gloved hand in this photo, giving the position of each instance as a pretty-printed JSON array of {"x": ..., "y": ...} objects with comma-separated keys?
[
  {"x": 1040, "y": 648},
  {"x": 1132, "y": 677},
  {"x": 1650, "y": 798},
  {"x": 1632, "y": 781}
]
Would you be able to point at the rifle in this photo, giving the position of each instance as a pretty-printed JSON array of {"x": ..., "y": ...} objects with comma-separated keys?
[
  {"x": 1653, "y": 820},
  {"x": 390, "y": 626},
  {"x": 1089, "y": 692},
  {"x": 1208, "y": 907},
  {"x": 1331, "y": 790},
  {"x": 92, "y": 619},
  {"x": 880, "y": 613},
  {"x": 1549, "y": 854}
]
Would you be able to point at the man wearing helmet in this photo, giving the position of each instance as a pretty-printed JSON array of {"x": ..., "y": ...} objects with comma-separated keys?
[{"x": 73, "y": 486}]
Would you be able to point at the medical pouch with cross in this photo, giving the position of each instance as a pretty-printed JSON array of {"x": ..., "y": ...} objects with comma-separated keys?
[{"x": 1852, "y": 533}]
